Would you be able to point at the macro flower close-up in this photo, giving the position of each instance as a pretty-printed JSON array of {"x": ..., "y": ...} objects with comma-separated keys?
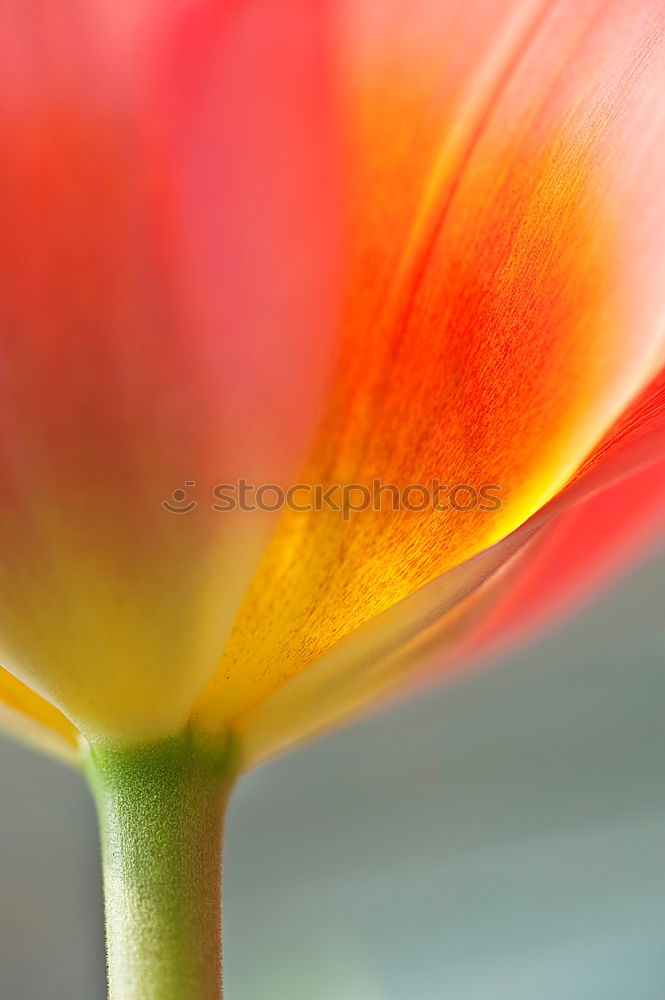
[{"x": 332, "y": 363}]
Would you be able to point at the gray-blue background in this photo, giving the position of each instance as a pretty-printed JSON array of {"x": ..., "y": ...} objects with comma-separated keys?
[{"x": 500, "y": 839}]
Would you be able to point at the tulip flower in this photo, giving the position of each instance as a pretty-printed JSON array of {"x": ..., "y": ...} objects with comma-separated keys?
[{"x": 309, "y": 247}]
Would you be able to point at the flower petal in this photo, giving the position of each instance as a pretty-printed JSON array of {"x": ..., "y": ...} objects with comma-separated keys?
[
  {"x": 581, "y": 552},
  {"x": 28, "y": 717},
  {"x": 166, "y": 318},
  {"x": 500, "y": 316},
  {"x": 582, "y": 538}
]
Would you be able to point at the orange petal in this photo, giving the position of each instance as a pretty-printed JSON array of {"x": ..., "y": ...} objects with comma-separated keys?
[
  {"x": 499, "y": 318},
  {"x": 604, "y": 519}
]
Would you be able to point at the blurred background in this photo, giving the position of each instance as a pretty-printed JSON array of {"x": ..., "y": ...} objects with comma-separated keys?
[{"x": 502, "y": 838}]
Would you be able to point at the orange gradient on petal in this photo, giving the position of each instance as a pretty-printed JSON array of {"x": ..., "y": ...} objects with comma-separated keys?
[{"x": 484, "y": 365}]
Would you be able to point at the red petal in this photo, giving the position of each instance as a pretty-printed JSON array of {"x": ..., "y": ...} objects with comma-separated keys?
[{"x": 166, "y": 279}]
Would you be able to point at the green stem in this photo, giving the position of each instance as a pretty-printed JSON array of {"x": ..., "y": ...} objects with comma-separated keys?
[{"x": 161, "y": 811}]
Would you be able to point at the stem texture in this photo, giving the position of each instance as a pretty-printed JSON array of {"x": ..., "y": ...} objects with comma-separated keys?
[{"x": 161, "y": 810}]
